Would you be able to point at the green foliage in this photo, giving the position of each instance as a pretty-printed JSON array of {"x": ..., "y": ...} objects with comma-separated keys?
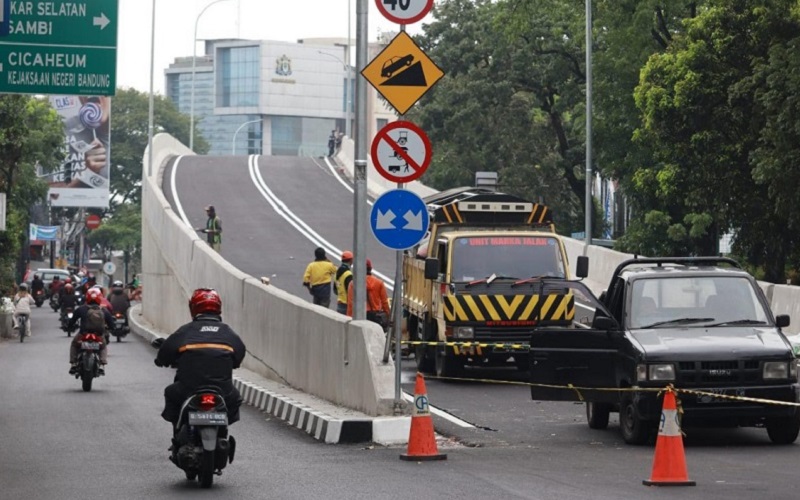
[
  {"x": 122, "y": 231},
  {"x": 129, "y": 133}
]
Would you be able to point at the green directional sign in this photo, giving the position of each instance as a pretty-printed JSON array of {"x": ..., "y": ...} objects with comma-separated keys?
[{"x": 59, "y": 47}]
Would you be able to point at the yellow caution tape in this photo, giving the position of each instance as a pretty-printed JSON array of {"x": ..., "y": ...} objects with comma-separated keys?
[{"x": 456, "y": 345}]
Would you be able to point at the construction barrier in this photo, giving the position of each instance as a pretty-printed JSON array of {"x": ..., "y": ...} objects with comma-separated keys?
[{"x": 669, "y": 463}]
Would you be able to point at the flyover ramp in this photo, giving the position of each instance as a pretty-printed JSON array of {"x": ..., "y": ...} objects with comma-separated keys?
[{"x": 289, "y": 339}]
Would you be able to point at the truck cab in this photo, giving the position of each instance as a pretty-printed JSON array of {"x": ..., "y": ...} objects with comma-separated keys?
[{"x": 700, "y": 324}]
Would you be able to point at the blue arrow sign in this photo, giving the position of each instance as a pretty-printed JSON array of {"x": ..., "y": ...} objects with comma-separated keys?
[{"x": 399, "y": 219}]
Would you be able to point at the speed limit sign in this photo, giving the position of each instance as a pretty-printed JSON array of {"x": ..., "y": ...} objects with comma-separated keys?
[{"x": 404, "y": 11}]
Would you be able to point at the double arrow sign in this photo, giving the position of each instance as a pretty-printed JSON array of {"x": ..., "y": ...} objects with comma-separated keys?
[{"x": 386, "y": 221}]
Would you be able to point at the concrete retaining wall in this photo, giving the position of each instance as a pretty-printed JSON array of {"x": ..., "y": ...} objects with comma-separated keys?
[{"x": 288, "y": 339}]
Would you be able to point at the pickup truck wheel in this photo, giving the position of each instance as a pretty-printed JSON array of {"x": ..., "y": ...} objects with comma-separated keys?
[
  {"x": 448, "y": 365},
  {"x": 597, "y": 415},
  {"x": 634, "y": 429},
  {"x": 783, "y": 430}
]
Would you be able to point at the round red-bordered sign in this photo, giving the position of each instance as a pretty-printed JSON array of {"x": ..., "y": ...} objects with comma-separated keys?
[
  {"x": 404, "y": 11},
  {"x": 401, "y": 152},
  {"x": 93, "y": 221}
]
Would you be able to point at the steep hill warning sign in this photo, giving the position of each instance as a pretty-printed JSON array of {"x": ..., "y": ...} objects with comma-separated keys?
[{"x": 402, "y": 73}]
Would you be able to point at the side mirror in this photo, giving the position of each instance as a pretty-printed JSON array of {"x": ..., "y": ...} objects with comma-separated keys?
[
  {"x": 157, "y": 342},
  {"x": 431, "y": 269},
  {"x": 604, "y": 323},
  {"x": 782, "y": 320},
  {"x": 582, "y": 267}
]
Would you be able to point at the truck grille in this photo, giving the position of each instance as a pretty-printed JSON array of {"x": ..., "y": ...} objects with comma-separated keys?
[
  {"x": 515, "y": 335},
  {"x": 707, "y": 373}
]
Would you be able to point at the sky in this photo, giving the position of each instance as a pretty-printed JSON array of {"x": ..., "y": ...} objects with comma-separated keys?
[{"x": 280, "y": 20}]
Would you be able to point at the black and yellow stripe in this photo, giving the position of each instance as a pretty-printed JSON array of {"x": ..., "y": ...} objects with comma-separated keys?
[
  {"x": 539, "y": 215},
  {"x": 481, "y": 308},
  {"x": 191, "y": 347},
  {"x": 452, "y": 214}
]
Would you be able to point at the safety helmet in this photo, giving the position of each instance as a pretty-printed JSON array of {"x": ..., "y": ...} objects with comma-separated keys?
[
  {"x": 347, "y": 256},
  {"x": 36, "y": 276},
  {"x": 68, "y": 280},
  {"x": 23, "y": 286},
  {"x": 68, "y": 287},
  {"x": 205, "y": 301},
  {"x": 369, "y": 265},
  {"x": 94, "y": 296},
  {"x": 117, "y": 284}
]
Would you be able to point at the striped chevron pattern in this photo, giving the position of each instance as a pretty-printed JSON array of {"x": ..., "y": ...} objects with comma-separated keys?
[{"x": 481, "y": 308}]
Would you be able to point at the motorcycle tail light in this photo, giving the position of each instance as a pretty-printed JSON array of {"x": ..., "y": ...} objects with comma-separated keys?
[
  {"x": 118, "y": 315},
  {"x": 91, "y": 337},
  {"x": 208, "y": 402}
]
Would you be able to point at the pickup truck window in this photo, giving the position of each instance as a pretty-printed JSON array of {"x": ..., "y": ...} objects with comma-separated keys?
[
  {"x": 512, "y": 256},
  {"x": 721, "y": 298}
]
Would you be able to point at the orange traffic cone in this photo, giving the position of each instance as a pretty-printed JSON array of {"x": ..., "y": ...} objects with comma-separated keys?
[
  {"x": 669, "y": 464},
  {"x": 421, "y": 441}
]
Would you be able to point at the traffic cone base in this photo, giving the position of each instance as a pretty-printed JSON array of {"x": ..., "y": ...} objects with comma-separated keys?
[
  {"x": 669, "y": 464},
  {"x": 421, "y": 439}
]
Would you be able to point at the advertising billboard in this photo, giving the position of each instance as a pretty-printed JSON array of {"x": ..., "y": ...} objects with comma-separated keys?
[{"x": 83, "y": 179}]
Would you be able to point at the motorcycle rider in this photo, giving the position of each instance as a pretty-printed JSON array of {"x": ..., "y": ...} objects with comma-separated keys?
[
  {"x": 54, "y": 288},
  {"x": 119, "y": 299},
  {"x": 93, "y": 301},
  {"x": 205, "y": 351},
  {"x": 67, "y": 300},
  {"x": 36, "y": 285}
]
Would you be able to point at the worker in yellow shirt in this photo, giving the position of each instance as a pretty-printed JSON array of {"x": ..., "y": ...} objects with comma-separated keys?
[{"x": 318, "y": 278}]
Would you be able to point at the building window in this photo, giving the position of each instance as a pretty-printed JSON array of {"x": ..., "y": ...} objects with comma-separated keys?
[{"x": 238, "y": 76}]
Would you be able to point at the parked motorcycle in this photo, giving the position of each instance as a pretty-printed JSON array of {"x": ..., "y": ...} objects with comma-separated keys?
[
  {"x": 38, "y": 297},
  {"x": 200, "y": 444},
  {"x": 120, "y": 326},
  {"x": 66, "y": 316},
  {"x": 89, "y": 360},
  {"x": 55, "y": 301}
]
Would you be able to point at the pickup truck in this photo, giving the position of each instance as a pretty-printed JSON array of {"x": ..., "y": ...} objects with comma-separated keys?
[{"x": 701, "y": 324}]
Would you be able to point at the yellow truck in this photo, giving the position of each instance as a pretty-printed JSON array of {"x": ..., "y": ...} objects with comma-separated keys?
[{"x": 490, "y": 271}]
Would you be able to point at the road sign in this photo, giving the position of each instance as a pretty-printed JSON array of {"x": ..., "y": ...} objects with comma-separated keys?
[
  {"x": 109, "y": 268},
  {"x": 401, "y": 151},
  {"x": 399, "y": 219},
  {"x": 404, "y": 11},
  {"x": 93, "y": 221},
  {"x": 59, "y": 47},
  {"x": 402, "y": 73}
]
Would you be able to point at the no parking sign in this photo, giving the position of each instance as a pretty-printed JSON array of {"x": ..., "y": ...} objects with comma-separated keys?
[{"x": 401, "y": 152}]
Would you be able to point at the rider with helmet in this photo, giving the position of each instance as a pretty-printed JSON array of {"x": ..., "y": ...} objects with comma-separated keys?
[
  {"x": 344, "y": 275},
  {"x": 119, "y": 299},
  {"x": 89, "y": 315},
  {"x": 67, "y": 300},
  {"x": 205, "y": 351}
]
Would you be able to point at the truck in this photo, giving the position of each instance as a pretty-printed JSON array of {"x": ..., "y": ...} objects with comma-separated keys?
[
  {"x": 699, "y": 324},
  {"x": 490, "y": 270}
]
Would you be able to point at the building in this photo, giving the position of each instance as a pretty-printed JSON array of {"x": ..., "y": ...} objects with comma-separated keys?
[{"x": 270, "y": 97}]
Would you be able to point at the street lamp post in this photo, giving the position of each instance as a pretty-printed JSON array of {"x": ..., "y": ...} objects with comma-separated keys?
[
  {"x": 194, "y": 67},
  {"x": 233, "y": 144},
  {"x": 347, "y": 90}
]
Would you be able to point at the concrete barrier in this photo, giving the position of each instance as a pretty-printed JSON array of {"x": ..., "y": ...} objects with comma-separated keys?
[{"x": 289, "y": 340}]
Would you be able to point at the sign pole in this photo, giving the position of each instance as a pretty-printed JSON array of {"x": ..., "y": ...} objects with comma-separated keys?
[
  {"x": 360, "y": 169},
  {"x": 397, "y": 301}
]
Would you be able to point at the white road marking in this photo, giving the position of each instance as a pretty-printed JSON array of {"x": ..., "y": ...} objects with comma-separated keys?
[
  {"x": 339, "y": 178},
  {"x": 175, "y": 197}
]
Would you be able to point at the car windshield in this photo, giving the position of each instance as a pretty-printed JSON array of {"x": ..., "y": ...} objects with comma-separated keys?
[
  {"x": 519, "y": 257},
  {"x": 716, "y": 300}
]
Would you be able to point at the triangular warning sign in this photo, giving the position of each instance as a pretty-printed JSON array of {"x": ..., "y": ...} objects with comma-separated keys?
[{"x": 402, "y": 73}]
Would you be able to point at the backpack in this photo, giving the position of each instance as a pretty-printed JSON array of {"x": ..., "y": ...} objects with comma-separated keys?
[{"x": 95, "y": 320}]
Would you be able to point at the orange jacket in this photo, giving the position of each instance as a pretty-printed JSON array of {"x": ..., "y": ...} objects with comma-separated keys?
[{"x": 377, "y": 299}]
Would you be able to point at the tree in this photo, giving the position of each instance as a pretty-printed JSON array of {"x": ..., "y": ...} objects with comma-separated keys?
[{"x": 129, "y": 133}]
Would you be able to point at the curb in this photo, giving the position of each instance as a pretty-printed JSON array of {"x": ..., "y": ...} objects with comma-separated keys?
[{"x": 355, "y": 427}]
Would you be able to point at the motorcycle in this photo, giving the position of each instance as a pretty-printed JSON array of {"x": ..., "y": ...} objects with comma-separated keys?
[
  {"x": 200, "y": 444},
  {"x": 66, "y": 316},
  {"x": 89, "y": 360},
  {"x": 120, "y": 326},
  {"x": 38, "y": 297},
  {"x": 55, "y": 301},
  {"x": 79, "y": 298}
]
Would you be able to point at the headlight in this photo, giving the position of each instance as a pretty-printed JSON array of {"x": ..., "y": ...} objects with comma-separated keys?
[
  {"x": 464, "y": 332},
  {"x": 776, "y": 370},
  {"x": 656, "y": 372}
]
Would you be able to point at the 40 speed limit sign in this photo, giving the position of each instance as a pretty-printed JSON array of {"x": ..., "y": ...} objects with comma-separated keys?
[{"x": 404, "y": 11}]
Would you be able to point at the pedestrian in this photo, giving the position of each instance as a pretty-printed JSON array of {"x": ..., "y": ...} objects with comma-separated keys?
[
  {"x": 339, "y": 136},
  {"x": 331, "y": 142},
  {"x": 378, "y": 309},
  {"x": 213, "y": 229},
  {"x": 344, "y": 275},
  {"x": 318, "y": 277}
]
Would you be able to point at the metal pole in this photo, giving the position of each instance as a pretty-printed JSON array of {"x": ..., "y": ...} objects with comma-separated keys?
[
  {"x": 589, "y": 204},
  {"x": 397, "y": 303},
  {"x": 348, "y": 127},
  {"x": 233, "y": 146},
  {"x": 151, "y": 109},
  {"x": 194, "y": 67},
  {"x": 360, "y": 178},
  {"x": 346, "y": 67}
]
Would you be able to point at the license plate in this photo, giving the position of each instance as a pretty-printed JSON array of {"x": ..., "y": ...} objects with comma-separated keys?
[
  {"x": 120, "y": 322},
  {"x": 208, "y": 418},
  {"x": 90, "y": 346},
  {"x": 709, "y": 399}
]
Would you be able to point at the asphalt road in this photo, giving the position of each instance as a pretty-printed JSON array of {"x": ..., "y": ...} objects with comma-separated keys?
[{"x": 57, "y": 442}]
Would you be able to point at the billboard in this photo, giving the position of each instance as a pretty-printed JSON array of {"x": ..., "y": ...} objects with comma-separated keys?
[{"x": 83, "y": 177}]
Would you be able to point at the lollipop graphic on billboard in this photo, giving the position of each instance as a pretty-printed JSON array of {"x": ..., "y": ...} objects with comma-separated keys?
[{"x": 91, "y": 116}]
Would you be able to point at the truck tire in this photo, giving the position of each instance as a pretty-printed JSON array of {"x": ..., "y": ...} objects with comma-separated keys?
[
  {"x": 448, "y": 364},
  {"x": 783, "y": 430},
  {"x": 634, "y": 430},
  {"x": 597, "y": 415},
  {"x": 423, "y": 354}
]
